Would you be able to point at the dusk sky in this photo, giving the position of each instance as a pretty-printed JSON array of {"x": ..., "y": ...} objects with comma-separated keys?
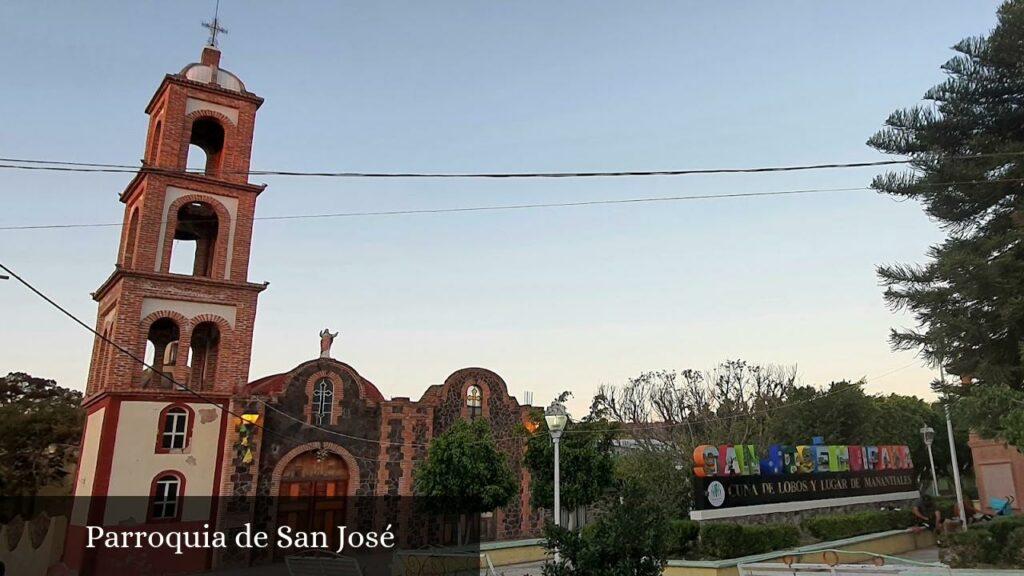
[{"x": 551, "y": 299}]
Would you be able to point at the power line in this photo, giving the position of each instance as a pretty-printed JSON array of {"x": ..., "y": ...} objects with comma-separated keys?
[
  {"x": 62, "y": 166},
  {"x": 582, "y": 203},
  {"x": 480, "y": 208}
]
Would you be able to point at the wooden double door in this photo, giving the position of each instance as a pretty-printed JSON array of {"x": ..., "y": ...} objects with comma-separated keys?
[{"x": 312, "y": 497}]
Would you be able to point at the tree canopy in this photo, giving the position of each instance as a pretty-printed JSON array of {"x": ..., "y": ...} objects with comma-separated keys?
[
  {"x": 966, "y": 151},
  {"x": 40, "y": 423},
  {"x": 587, "y": 464},
  {"x": 464, "y": 472}
]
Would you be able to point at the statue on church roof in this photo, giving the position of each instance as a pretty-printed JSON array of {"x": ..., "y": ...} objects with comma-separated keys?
[{"x": 326, "y": 340}]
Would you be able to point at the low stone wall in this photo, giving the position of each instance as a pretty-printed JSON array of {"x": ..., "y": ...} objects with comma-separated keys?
[
  {"x": 515, "y": 552},
  {"x": 30, "y": 548},
  {"x": 856, "y": 549},
  {"x": 852, "y": 550}
]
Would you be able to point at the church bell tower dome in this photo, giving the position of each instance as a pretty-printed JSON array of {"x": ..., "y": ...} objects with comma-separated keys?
[{"x": 208, "y": 71}]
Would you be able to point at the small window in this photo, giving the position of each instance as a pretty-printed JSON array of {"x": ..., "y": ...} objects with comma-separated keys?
[
  {"x": 166, "y": 497},
  {"x": 474, "y": 401},
  {"x": 175, "y": 429},
  {"x": 323, "y": 399}
]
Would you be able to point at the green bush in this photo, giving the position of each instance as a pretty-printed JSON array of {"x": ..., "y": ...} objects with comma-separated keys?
[
  {"x": 839, "y": 526},
  {"x": 999, "y": 543},
  {"x": 946, "y": 505},
  {"x": 845, "y": 525},
  {"x": 900, "y": 519},
  {"x": 736, "y": 540},
  {"x": 682, "y": 537}
]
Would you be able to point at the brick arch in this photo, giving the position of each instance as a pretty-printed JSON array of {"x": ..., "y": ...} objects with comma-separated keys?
[
  {"x": 220, "y": 251},
  {"x": 183, "y": 322},
  {"x": 224, "y": 344},
  {"x": 221, "y": 323},
  {"x": 350, "y": 462},
  {"x": 131, "y": 235},
  {"x": 339, "y": 394},
  {"x": 230, "y": 135},
  {"x": 184, "y": 335},
  {"x": 226, "y": 122}
]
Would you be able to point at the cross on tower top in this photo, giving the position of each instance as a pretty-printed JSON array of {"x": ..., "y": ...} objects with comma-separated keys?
[{"x": 214, "y": 26}]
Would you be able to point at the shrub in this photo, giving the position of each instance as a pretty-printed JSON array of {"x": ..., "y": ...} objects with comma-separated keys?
[
  {"x": 900, "y": 519},
  {"x": 629, "y": 539},
  {"x": 999, "y": 543},
  {"x": 682, "y": 537},
  {"x": 736, "y": 540},
  {"x": 840, "y": 526}
]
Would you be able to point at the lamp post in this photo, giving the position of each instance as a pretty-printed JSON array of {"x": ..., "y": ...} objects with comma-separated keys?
[
  {"x": 929, "y": 436},
  {"x": 964, "y": 380},
  {"x": 556, "y": 419}
]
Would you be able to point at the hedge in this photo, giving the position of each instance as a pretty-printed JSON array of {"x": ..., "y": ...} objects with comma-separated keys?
[
  {"x": 736, "y": 540},
  {"x": 841, "y": 526},
  {"x": 682, "y": 537},
  {"x": 998, "y": 543}
]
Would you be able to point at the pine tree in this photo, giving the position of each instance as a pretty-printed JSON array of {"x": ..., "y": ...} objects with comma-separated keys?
[{"x": 966, "y": 147}]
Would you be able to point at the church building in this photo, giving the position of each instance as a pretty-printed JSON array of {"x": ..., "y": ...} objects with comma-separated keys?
[{"x": 191, "y": 440}]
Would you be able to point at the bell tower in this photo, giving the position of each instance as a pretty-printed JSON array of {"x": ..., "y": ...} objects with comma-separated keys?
[
  {"x": 179, "y": 298},
  {"x": 179, "y": 294}
]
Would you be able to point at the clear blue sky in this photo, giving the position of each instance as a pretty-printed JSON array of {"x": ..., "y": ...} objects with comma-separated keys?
[{"x": 565, "y": 298}]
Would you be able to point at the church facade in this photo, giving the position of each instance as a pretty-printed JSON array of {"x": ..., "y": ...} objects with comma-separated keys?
[{"x": 186, "y": 437}]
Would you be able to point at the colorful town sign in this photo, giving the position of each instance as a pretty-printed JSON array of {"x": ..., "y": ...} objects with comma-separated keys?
[{"x": 735, "y": 477}]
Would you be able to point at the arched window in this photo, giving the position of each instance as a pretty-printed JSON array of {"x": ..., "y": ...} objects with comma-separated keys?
[
  {"x": 161, "y": 352},
  {"x": 323, "y": 401},
  {"x": 129, "y": 245},
  {"x": 165, "y": 496},
  {"x": 206, "y": 141},
  {"x": 174, "y": 430},
  {"x": 195, "y": 238},
  {"x": 203, "y": 355},
  {"x": 474, "y": 401}
]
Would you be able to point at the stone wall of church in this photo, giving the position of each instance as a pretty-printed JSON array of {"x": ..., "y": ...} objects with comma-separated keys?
[{"x": 381, "y": 440}]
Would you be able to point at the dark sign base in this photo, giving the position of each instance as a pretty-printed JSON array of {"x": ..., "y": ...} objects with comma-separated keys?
[{"x": 795, "y": 491}]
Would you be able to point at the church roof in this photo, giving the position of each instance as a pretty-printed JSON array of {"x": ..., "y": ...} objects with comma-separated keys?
[{"x": 276, "y": 383}]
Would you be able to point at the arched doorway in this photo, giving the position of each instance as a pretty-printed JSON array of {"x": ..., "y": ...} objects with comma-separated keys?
[{"x": 312, "y": 494}]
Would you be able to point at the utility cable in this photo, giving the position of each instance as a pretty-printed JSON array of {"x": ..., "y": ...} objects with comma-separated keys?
[
  {"x": 522, "y": 206},
  {"x": 62, "y": 166}
]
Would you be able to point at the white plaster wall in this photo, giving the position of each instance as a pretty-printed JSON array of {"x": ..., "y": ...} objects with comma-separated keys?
[
  {"x": 230, "y": 204},
  {"x": 188, "y": 309},
  {"x": 136, "y": 464},
  {"x": 87, "y": 466}
]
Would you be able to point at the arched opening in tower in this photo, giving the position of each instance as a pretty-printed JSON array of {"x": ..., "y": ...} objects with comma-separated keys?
[
  {"x": 133, "y": 233},
  {"x": 195, "y": 239},
  {"x": 161, "y": 353},
  {"x": 203, "y": 355},
  {"x": 206, "y": 146}
]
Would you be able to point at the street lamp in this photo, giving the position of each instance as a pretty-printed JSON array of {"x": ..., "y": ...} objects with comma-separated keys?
[
  {"x": 929, "y": 436},
  {"x": 556, "y": 418}
]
